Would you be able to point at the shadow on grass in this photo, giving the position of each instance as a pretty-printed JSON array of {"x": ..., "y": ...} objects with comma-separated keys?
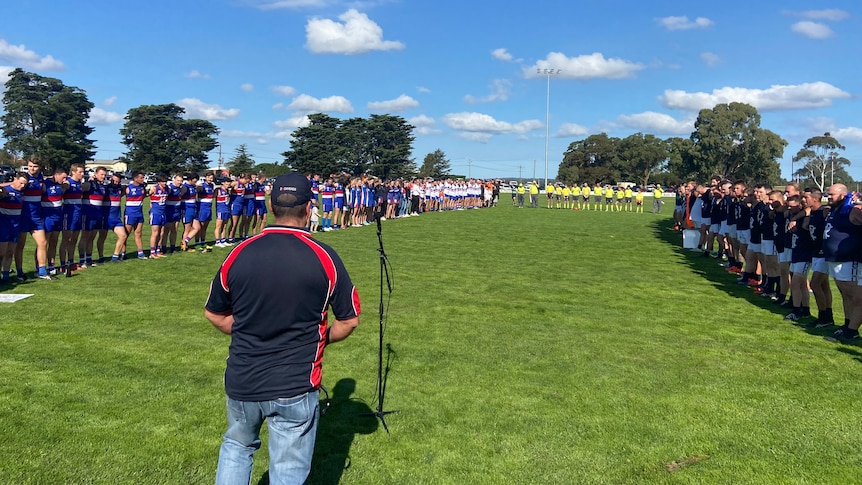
[
  {"x": 711, "y": 270},
  {"x": 339, "y": 424}
]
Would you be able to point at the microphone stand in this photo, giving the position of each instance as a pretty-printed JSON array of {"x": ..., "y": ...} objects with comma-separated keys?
[{"x": 381, "y": 381}]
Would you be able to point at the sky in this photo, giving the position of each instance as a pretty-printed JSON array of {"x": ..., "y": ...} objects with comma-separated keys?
[{"x": 469, "y": 75}]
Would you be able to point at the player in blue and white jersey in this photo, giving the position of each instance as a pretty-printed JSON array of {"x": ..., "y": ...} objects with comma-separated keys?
[
  {"x": 52, "y": 211},
  {"x": 158, "y": 202},
  {"x": 116, "y": 190},
  {"x": 189, "y": 211},
  {"x": 95, "y": 198},
  {"x": 206, "y": 191},
  {"x": 237, "y": 206},
  {"x": 327, "y": 192},
  {"x": 136, "y": 191},
  {"x": 73, "y": 218},
  {"x": 223, "y": 217},
  {"x": 260, "y": 202},
  {"x": 11, "y": 206}
]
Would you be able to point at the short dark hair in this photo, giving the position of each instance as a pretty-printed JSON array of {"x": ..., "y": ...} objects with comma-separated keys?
[
  {"x": 296, "y": 212},
  {"x": 136, "y": 173},
  {"x": 794, "y": 198},
  {"x": 815, "y": 192}
]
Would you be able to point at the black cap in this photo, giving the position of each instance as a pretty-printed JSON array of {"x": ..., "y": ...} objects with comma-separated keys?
[{"x": 290, "y": 190}]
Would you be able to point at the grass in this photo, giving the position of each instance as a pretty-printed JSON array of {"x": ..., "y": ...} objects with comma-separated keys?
[{"x": 527, "y": 346}]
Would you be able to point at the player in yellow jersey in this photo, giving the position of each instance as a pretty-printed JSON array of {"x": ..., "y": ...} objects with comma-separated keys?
[
  {"x": 629, "y": 195},
  {"x": 549, "y": 191},
  {"x": 621, "y": 195},
  {"x": 567, "y": 194},
  {"x": 534, "y": 195},
  {"x": 609, "y": 198},
  {"x": 585, "y": 197},
  {"x": 576, "y": 196},
  {"x": 639, "y": 200},
  {"x": 597, "y": 196}
]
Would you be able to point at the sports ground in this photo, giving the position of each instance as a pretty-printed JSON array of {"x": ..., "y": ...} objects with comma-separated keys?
[{"x": 523, "y": 346}]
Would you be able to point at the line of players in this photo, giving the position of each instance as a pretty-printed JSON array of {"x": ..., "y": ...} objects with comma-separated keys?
[
  {"x": 63, "y": 211},
  {"x": 600, "y": 198},
  {"x": 773, "y": 239}
]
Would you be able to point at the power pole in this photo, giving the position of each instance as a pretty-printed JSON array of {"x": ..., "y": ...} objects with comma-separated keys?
[
  {"x": 520, "y": 167},
  {"x": 534, "y": 170},
  {"x": 469, "y": 167}
]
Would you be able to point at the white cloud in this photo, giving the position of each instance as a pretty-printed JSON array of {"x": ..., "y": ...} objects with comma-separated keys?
[
  {"x": 278, "y": 106},
  {"x": 683, "y": 23},
  {"x": 332, "y": 104},
  {"x": 424, "y": 125},
  {"x": 356, "y": 35},
  {"x": 501, "y": 89},
  {"x": 239, "y": 134},
  {"x": 283, "y": 90},
  {"x": 571, "y": 129},
  {"x": 99, "y": 116},
  {"x": 19, "y": 55},
  {"x": 299, "y": 121},
  {"x": 401, "y": 103},
  {"x": 657, "y": 123},
  {"x": 477, "y": 137},
  {"x": 583, "y": 67},
  {"x": 812, "y": 30},
  {"x": 849, "y": 134},
  {"x": 195, "y": 74},
  {"x": 247, "y": 87},
  {"x": 504, "y": 55},
  {"x": 110, "y": 101},
  {"x": 832, "y": 14},
  {"x": 710, "y": 59},
  {"x": 262, "y": 141},
  {"x": 196, "y": 108},
  {"x": 482, "y": 123},
  {"x": 775, "y": 98},
  {"x": 423, "y": 89},
  {"x": 4, "y": 76}
]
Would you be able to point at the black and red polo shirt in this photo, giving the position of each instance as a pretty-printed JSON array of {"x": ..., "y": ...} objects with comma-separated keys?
[{"x": 279, "y": 286}]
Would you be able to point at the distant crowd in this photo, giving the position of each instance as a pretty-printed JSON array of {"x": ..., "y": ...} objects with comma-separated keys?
[
  {"x": 783, "y": 244},
  {"x": 67, "y": 214}
]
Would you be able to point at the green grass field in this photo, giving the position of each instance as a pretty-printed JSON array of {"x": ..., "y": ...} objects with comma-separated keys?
[{"x": 527, "y": 346}]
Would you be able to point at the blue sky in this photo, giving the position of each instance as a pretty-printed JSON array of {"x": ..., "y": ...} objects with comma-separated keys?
[{"x": 464, "y": 73}]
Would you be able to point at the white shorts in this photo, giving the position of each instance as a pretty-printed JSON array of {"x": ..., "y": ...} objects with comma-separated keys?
[
  {"x": 786, "y": 256},
  {"x": 731, "y": 231},
  {"x": 818, "y": 265},
  {"x": 844, "y": 271},
  {"x": 754, "y": 247},
  {"x": 800, "y": 268},
  {"x": 767, "y": 247},
  {"x": 743, "y": 236},
  {"x": 714, "y": 228}
]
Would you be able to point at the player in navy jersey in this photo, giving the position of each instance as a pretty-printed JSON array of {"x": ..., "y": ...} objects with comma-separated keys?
[
  {"x": 327, "y": 192},
  {"x": 32, "y": 222},
  {"x": 248, "y": 219},
  {"x": 815, "y": 223},
  {"x": 260, "y": 202},
  {"x": 136, "y": 191},
  {"x": 116, "y": 190},
  {"x": 94, "y": 221},
  {"x": 189, "y": 210},
  {"x": 223, "y": 216},
  {"x": 206, "y": 191},
  {"x": 338, "y": 206},
  {"x": 172, "y": 214},
  {"x": 11, "y": 206},
  {"x": 52, "y": 211},
  {"x": 800, "y": 258},
  {"x": 73, "y": 218},
  {"x": 158, "y": 202},
  {"x": 237, "y": 206},
  {"x": 842, "y": 248}
]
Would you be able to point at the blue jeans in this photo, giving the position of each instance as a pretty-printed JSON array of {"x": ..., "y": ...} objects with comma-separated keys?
[{"x": 292, "y": 424}]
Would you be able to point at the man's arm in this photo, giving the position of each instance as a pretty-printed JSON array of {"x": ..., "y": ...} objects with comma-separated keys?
[
  {"x": 341, "y": 329},
  {"x": 225, "y": 322}
]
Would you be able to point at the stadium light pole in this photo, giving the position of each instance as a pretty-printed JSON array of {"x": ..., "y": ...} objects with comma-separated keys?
[{"x": 547, "y": 73}]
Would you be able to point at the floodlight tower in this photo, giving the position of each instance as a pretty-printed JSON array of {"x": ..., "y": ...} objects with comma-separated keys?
[{"x": 547, "y": 73}]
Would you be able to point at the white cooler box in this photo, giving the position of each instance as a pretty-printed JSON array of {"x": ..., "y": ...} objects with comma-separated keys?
[{"x": 690, "y": 238}]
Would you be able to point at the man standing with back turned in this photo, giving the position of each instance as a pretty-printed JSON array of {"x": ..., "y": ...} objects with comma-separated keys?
[{"x": 278, "y": 326}]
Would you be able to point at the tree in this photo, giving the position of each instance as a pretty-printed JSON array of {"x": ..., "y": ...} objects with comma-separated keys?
[
  {"x": 435, "y": 165},
  {"x": 380, "y": 145},
  {"x": 680, "y": 162},
  {"x": 46, "y": 120},
  {"x": 160, "y": 140},
  {"x": 640, "y": 155},
  {"x": 593, "y": 159},
  {"x": 390, "y": 143},
  {"x": 820, "y": 161},
  {"x": 242, "y": 161},
  {"x": 728, "y": 142},
  {"x": 315, "y": 148}
]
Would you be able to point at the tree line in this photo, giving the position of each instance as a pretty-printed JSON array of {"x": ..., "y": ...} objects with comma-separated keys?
[{"x": 45, "y": 119}]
